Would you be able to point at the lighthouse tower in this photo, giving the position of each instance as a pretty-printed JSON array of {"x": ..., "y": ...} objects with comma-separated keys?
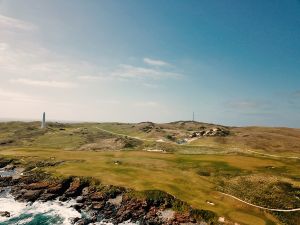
[{"x": 43, "y": 121}]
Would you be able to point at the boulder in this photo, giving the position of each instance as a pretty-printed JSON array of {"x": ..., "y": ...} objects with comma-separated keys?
[
  {"x": 31, "y": 195},
  {"x": 75, "y": 188},
  {"x": 86, "y": 191},
  {"x": 79, "y": 199},
  {"x": 38, "y": 186},
  {"x": 98, "y": 205},
  {"x": 55, "y": 188},
  {"x": 4, "y": 214},
  {"x": 47, "y": 196},
  {"x": 78, "y": 206},
  {"x": 6, "y": 181},
  {"x": 97, "y": 196}
]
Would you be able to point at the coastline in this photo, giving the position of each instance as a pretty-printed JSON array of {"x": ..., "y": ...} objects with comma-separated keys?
[{"x": 94, "y": 203}]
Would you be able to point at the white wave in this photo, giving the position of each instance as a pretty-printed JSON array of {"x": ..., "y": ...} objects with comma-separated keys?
[
  {"x": 51, "y": 208},
  {"x": 24, "y": 221},
  {"x": 54, "y": 208},
  {"x": 13, "y": 207}
]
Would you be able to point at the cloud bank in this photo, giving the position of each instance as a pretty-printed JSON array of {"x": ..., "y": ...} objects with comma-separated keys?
[{"x": 155, "y": 62}]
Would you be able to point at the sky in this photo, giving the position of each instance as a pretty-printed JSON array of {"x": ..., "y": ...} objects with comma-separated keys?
[{"x": 231, "y": 62}]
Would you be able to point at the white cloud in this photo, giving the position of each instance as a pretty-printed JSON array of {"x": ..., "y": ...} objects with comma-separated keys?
[
  {"x": 26, "y": 64},
  {"x": 31, "y": 60},
  {"x": 147, "y": 104},
  {"x": 88, "y": 77},
  {"x": 25, "y": 61},
  {"x": 44, "y": 83},
  {"x": 154, "y": 62},
  {"x": 148, "y": 85},
  {"x": 8, "y": 95},
  {"x": 130, "y": 72},
  {"x": 12, "y": 23},
  {"x": 109, "y": 102},
  {"x": 93, "y": 77}
]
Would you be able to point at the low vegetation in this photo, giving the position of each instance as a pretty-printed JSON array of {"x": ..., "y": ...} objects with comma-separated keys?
[{"x": 194, "y": 172}]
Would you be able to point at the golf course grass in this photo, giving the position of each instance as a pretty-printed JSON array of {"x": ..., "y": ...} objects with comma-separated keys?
[{"x": 197, "y": 174}]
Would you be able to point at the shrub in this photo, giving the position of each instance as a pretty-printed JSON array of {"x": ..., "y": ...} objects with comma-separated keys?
[{"x": 206, "y": 215}]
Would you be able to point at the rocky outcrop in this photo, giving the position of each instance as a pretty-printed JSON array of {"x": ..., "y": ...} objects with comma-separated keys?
[
  {"x": 115, "y": 204},
  {"x": 211, "y": 132},
  {"x": 6, "y": 181},
  {"x": 4, "y": 214},
  {"x": 4, "y": 162}
]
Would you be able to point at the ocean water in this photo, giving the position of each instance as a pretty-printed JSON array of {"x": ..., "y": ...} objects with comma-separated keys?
[{"x": 52, "y": 212}]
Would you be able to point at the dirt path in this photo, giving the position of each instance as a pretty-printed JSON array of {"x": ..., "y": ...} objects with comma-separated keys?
[
  {"x": 125, "y": 135},
  {"x": 260, "y": 207},
  {"x": 122, "y": 135},
  {"x": 271, "y": 155}
]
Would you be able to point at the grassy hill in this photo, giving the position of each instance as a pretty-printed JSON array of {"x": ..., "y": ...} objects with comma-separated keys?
[{"x": 252, "y": 163}]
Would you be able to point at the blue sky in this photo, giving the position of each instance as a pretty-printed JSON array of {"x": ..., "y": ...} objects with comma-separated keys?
[{"x": 231, "y": 62}]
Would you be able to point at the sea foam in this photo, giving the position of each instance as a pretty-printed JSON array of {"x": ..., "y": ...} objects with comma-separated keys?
[
  {"x": 23, "y": 213},
  {"x": 54, "y": 212}
]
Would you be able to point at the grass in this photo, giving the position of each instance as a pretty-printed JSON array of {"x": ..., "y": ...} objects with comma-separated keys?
[
  {"x": 277, "y": 141},
  {"x": 174, "y": 173},
  {"x": 192, "y": 172},
  {"x": 284, "y": 142},
  {"x": 241, "y": 217}
]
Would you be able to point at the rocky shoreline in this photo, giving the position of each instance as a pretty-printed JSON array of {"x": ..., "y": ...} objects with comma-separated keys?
[{"x": 101, "y": 202}]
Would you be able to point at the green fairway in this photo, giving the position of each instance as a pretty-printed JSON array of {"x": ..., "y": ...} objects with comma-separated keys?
[
  {"x": 174, "y": 173},
  {"x": 195, "y": 172}
]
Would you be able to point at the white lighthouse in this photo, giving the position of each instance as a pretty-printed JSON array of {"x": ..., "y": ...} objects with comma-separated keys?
[{"x": 43, "y": 121}]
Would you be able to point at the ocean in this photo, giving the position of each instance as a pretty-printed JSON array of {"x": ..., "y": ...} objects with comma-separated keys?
[{"x": 53, "y": 212}]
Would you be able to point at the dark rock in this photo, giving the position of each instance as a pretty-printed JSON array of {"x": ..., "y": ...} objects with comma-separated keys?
[
  {"x": 211, "y": 132},
  {"x": 83, "y": 221},
  {"x": 182, "y": 218},
  {"x": 98, "y": 205},
  {"x": 31, "y": 195},
  {"x": 47, "y": 197},
  {"x": 86, "y": 191},
  {"x": 94, "y": 219},
  {"x": 97, "y": 196},
  {"x": 79, "y": 199},
  {"x": 6, "y": 181},
  {"x": 9, "y": 167},
  {"x": 75, "y": 188},
  {"x": 38, "y": 186},
  {"x": 63, "y": 198},
  {"x": 123, "y": 216},
  {"x": 78, "y": 206},
  {"x": 4, "y": 214},
  {"x": 74, "y": 220}
]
